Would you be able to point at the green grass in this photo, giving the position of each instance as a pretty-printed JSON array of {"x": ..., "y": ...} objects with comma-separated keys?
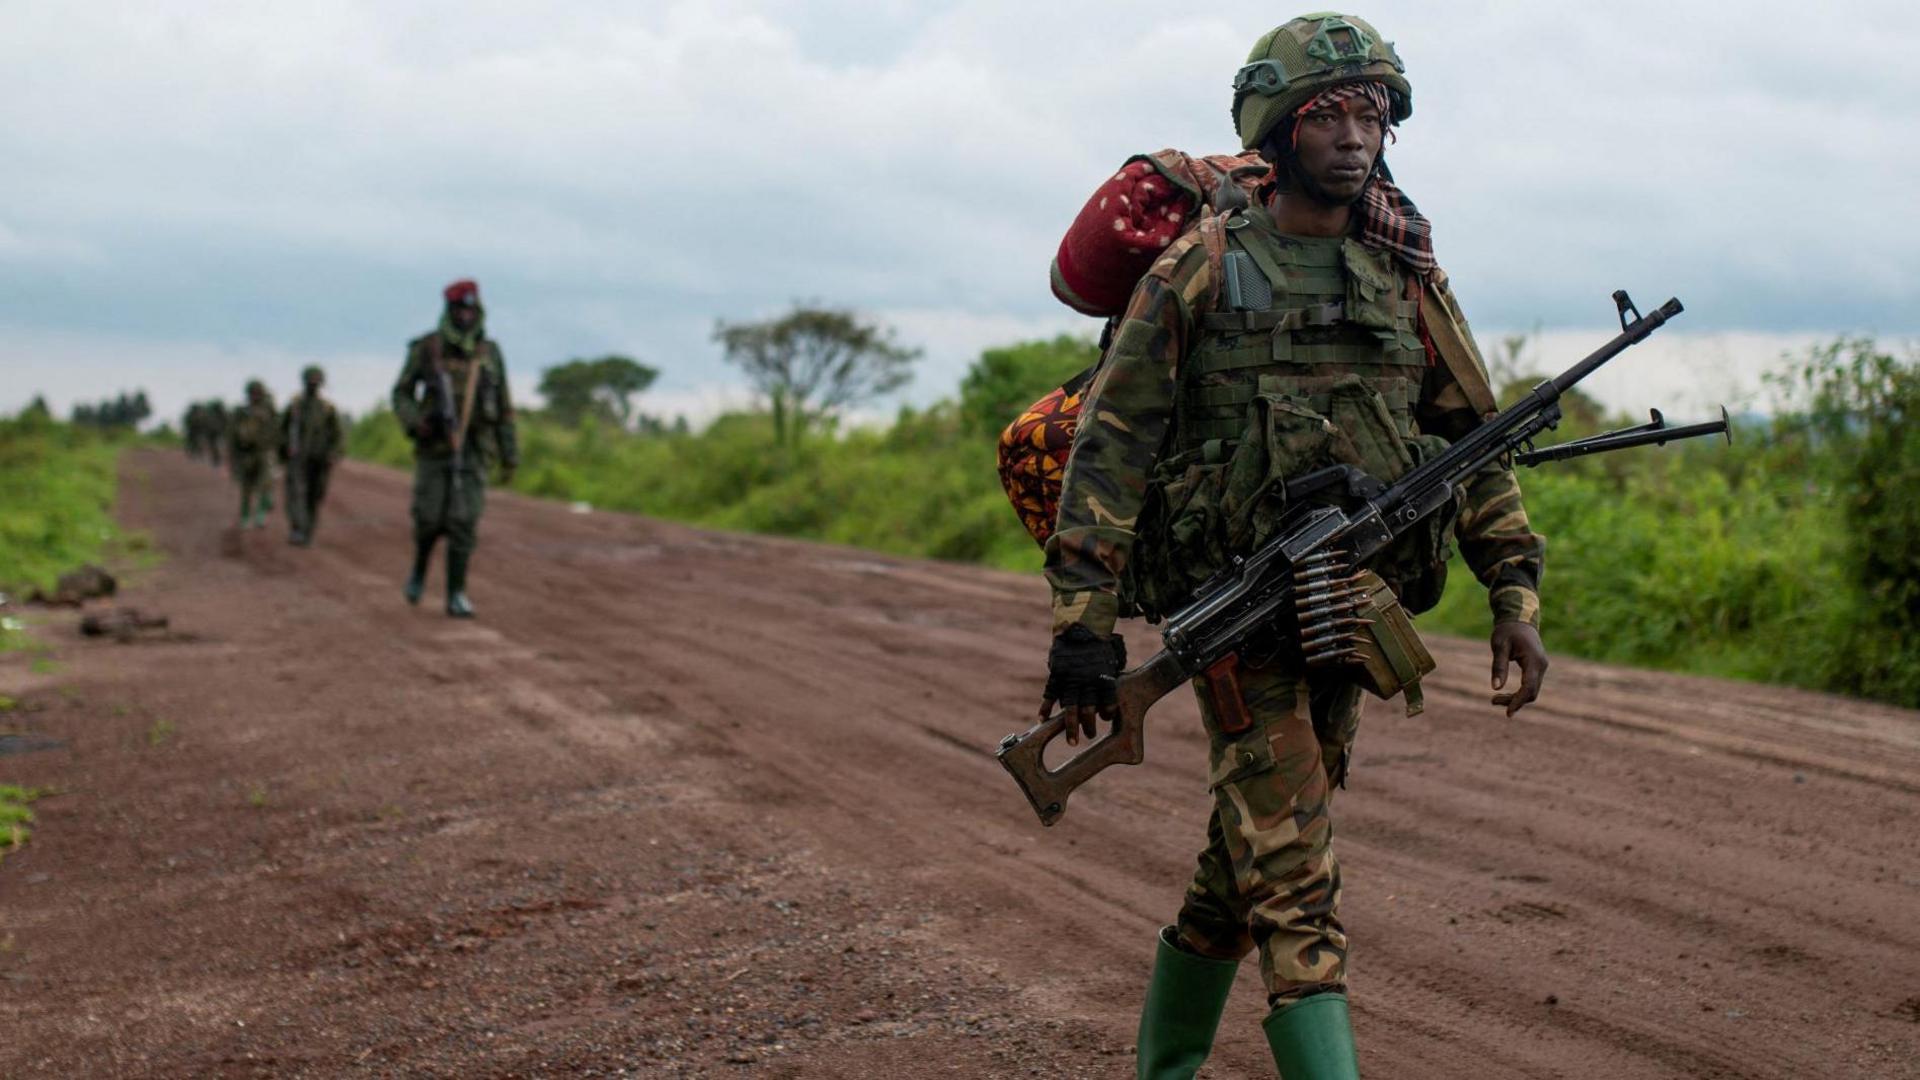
[
  {"x": 14, "y": 815},
  {"x": 57, "y": 484}
]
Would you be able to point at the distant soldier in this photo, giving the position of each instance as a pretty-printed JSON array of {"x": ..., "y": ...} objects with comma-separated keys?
[
  {"x": 452, "y": 398},
  {"x": 217, "y": 422},
  {"x": 310, "y": 442},
  {"x": 193, "y": 429},
  {"x": 252, "y": 441}
]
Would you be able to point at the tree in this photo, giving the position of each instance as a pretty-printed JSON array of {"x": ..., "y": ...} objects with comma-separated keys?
[
  {"x": 601, "y": 388},
  {"x": 813, "y": 362},
  {"x": 124, "y": 411}
]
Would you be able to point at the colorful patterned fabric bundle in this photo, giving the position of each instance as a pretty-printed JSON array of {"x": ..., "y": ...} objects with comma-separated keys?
[{"x": 1033, "y": 455}]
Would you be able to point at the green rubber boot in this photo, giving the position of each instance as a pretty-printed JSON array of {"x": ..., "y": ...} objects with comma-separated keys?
[
  {"x": 1312, "y": 1039},
  {"x": 422, "y": 557},
  {"x": 1184, "y": 1002},
  {"x": 458, "y": 606}
]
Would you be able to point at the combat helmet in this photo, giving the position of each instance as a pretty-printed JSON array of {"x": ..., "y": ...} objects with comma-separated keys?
[{"x": 1298, "y": 59}]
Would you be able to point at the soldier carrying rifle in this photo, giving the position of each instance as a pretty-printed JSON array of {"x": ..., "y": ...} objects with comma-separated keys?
[
  {"x": 1280, "y": 337},
  {"x": 311, "y": 443},
  {"x": 452, "y": 399}
]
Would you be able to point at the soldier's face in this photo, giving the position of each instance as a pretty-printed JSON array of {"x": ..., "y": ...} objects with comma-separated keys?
[
  {"x": 1336, "y": 149},
  {"x": 313, "y": 382},
  {"x": 464, "y": 316}
]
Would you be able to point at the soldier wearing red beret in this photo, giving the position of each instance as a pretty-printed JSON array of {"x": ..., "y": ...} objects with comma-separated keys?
[{"x": 452, "y": 398}]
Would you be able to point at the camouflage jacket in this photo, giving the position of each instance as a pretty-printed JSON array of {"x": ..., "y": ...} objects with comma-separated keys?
[
  {"x": 416, "y": 396},
  {"x": 254, "y": 431},
  {"x": 1125, "y": 425},
  {"x": 310, "y": 430}
]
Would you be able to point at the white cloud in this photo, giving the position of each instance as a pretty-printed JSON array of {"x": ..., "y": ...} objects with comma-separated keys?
[
  {"x": 1681, "y": 373},
  {"x": 295, "y": 181}
]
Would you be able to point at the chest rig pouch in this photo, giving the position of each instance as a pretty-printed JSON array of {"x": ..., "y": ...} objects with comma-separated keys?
[{"x": 1310, "y": 356}]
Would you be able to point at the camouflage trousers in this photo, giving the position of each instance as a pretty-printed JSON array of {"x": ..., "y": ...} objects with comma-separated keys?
[
  {"x": 442, "y": 506},
  {"x": 1268, "y": 878},
  {"x": 254, "y": 473},
  {"x": 306, "y": 490}
]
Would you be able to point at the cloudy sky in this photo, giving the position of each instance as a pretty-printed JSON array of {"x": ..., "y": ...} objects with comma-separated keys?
[{"x": 194, "y": 193}]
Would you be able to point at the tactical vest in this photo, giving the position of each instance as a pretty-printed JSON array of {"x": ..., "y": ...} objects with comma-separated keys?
[
  {"x": 307, "y": 428},
  {"x": 255, "y": 428},
  {"x": 1310, "y": 355},
  {"x": 1294, "y": 317},
  {"x": 487, "y": 410}
]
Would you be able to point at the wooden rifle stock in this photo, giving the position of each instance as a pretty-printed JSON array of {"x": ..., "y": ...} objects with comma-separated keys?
[{"x": 1023, "y": 755}]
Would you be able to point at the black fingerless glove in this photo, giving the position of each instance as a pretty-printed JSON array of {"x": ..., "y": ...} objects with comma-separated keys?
[{"x": 1082, "y": 669}]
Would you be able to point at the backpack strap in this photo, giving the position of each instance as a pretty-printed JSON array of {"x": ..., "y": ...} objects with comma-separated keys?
[
  {"x": 474, "y": 365},
  {"x": 1446, "y": 327},
  {"x": 1212, "y": 231}
]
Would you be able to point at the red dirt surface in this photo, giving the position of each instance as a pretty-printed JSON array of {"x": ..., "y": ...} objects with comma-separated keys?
[{"x": 685, "y": 803}]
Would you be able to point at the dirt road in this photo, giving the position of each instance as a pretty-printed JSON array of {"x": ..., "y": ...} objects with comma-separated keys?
[{"x": 683, "y": 803}]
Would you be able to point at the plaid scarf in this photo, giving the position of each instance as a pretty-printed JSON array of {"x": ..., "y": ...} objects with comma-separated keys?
[{"x": 1388, "y": 219}]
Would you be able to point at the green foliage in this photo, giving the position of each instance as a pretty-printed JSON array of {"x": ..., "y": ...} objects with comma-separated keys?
[
  {"x": 1782, "y": 558},
  {"x": 14, "y": 815},
  {"x": 1005, "y": 381},
  {"x": 602, "y": 389},
  {"x": 376, "y": 435},
  {"x": 1858, "y": 432},
  {"x": 123, "y": 411},
  {"x": 57, "y": 484}
]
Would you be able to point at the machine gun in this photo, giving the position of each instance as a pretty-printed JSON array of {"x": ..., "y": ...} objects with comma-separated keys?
[
  {"x": 1308, "y": 567},
  {"x": 449, "y": 422},
  {"x": 448, "y": 419}
]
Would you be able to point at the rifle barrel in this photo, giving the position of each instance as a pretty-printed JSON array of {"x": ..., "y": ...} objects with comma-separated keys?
[
  {"x": 1630, "y": 335},
  {"x": 1619, "y": 440}
]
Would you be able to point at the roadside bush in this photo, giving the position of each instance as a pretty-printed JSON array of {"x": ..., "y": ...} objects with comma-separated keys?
[{"x": 57, "y": 484}]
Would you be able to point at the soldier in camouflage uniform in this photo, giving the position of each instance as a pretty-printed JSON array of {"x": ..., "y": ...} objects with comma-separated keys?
[
  {"x": 219, "y": 426},
  {"x": 310, "y": 443},
  {"x": 253, "y": 440},
  {"x": 193, "y": 429},
  {"x": 1288, "y": 334},
  {"x": 452, "y": 398}
]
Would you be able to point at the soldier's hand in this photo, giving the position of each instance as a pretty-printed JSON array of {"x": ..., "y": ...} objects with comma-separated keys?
[
  {"x": 1083, "y": 677},
  {"x": 1518, "y": 643},
  {"x": 506, "y": 475}
]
